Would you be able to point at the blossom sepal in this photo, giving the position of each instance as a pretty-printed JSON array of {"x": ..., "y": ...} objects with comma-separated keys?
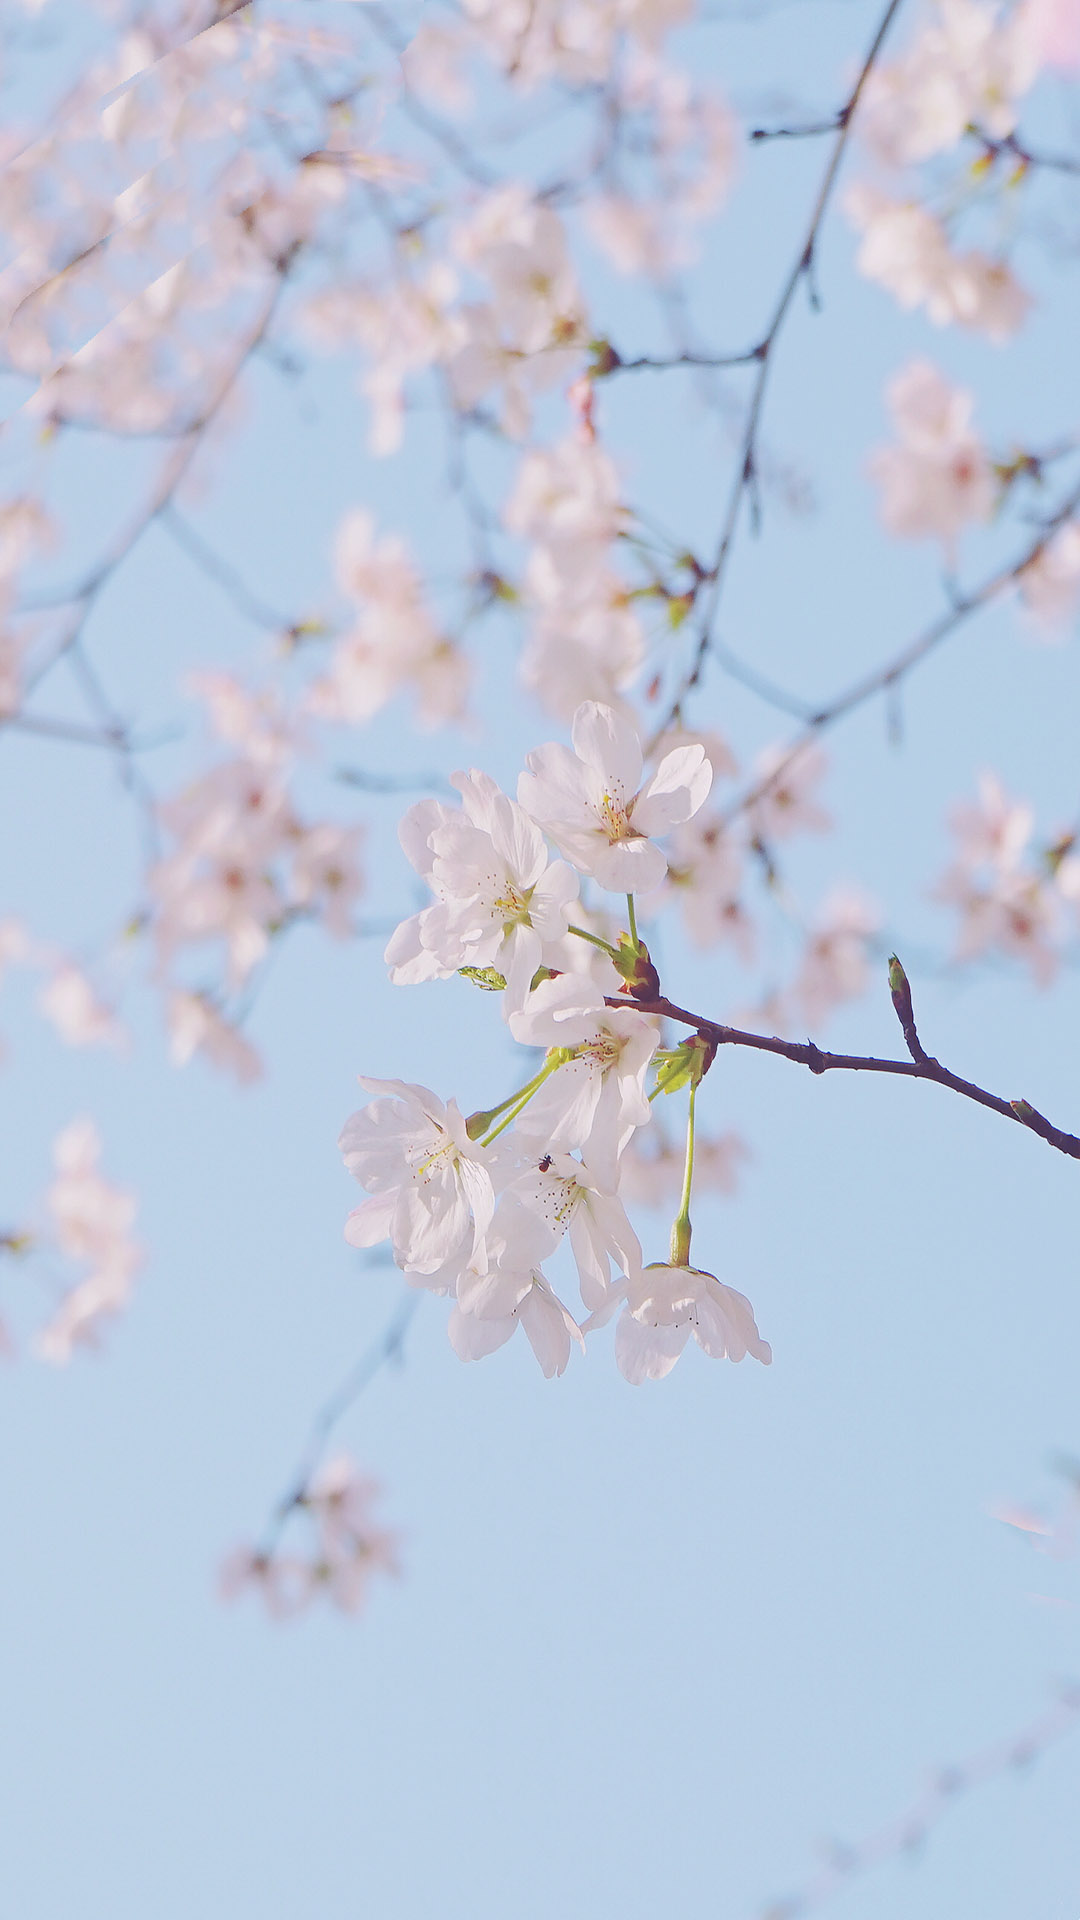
[
  {"x": 634, "y": 966},
  {"x": 685, "y": 1065}
]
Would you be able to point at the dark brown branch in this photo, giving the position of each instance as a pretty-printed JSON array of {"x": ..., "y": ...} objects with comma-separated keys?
[
  {"x": 922, "y": 1066},
  {"x": 745, "y": 482}
]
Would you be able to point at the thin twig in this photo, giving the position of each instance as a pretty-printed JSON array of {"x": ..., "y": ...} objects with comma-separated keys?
[
  {"x": 907, "y": 1832},
  {"x": 887, "y": 677},
  {"x": 922, "y": 1066},
  {"x": 389, "y": 1346},
  {"x": 745, "y": 480}
]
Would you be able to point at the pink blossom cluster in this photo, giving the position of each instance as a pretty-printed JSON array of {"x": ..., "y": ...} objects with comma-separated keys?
[
  {"x": 1011, "y": 895},
  {"x": 935, "y": 120},
  {"x": 344, "y": 1550},
  {"x": 242, "y": 866},
  {"x": 82, "y": 1249}
]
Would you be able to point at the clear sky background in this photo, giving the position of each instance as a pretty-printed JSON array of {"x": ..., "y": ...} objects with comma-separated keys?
[{"x": 650, "y": 1646}]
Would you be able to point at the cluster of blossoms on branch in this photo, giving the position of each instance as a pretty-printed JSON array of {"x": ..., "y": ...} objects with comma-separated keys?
[
  {"x": 448, "y": 198},
  {"x": 473, "y": 1207},
  {"x": 1013, "y": 895},
  {"x": 337, "y": 1548},
  {"x": 83, "y": 1250}
]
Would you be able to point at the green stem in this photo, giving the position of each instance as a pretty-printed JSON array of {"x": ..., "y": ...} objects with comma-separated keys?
[
  {"x": 480, "y": 1121},
  {"x": 681, "y": 1229},
  {"x": 604, "y": 945},
  {"x": 520, "y": 1100},
  {"x": 633, "y": 918}
]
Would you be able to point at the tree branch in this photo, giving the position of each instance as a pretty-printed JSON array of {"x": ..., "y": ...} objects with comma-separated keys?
[
  {"x": 746, "y": 471},
  {"x": 921, "y": 1066}
]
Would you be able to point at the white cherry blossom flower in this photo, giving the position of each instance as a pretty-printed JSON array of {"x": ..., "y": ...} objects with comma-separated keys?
[
  {"x": 665, "y": 1305},
  {"x": 431, "y": 1191},
  {"x": 501, "y": 901},
  {"x": 596, "y": 1097},
  {"x": 557, "y": 1196},
  {"x": 597, "y": 810},
  {"x": 514, "y": 1298}
]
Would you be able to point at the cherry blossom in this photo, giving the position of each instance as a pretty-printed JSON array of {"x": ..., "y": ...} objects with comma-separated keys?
[
  {"x": 784, "y": 803},
  {"x": 347, "y": 1548},
  {"x": 80, "y": 1017},
  {"x": 500, "y": 898},
  {"x": 92, "y": 1221},
  {"x": 1050, "y": 586},
  {"x": 595, "y": 1096},
  {"x": 907, "y": 251},
  {"x": 196, "y": 1025},
  {"x": 561, "y": 1196},
  {"x": 511, "y": 1298},
  {"x": 1005, "y": 902},
  {"x": 395, "y": 642},
  {"x": 969, "y": 67},
  {"x": 431, "y": 1191},
  {"x": 666, "y": 1304},
  {"x": 938, "y": 480},
  {"x": 593, "y": 803}
]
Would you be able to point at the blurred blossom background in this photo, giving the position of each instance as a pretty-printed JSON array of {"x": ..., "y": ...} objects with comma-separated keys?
[{"x": 623, "y": 1650}]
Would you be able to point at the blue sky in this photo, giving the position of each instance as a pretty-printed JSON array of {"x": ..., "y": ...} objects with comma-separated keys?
[{"x": 650, "y": 1647}]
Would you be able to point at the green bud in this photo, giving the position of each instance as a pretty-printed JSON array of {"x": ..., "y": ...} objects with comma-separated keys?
[
  {"x": 487, "y": 977},
  {"x": 636, "y": 968},
  {"x": 604, "y": 359},
  {"x": 685, "y": 1065}
]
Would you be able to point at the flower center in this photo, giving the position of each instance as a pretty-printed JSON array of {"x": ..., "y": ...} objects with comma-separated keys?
[{"x": 615, "y": 817}]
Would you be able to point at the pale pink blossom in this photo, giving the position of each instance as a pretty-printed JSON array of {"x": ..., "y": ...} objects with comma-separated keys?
[
  {"x": 325, "y": 877},
  {"x": 1005, "y": 902},
  {"x": 596, "y": 806},
  {"x": 905, "y": 249},
  {"x": 786, "y": 801},
  {"x": 835, "y": 963},
  {"x": 938, "y": 479},
  {"x": 81, "y": 1018},
  {"x": 970, "y": 66},
  {"x": 92, "y": 1222},
  {"x": 394, "y": 645},
  {"x": 346, "y": 1548},
  {"x": 196, "y": 1025},
  {"x": 652, "y": 1165},
  {"x": 1050, "y": 585}
]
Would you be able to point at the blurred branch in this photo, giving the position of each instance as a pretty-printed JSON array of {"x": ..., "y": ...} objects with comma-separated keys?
[
  {"x": 886, "y": 677},
  {"x": 910, "y": 1830},
  {"x": 745, "y": 484},
  {"x": 390, "y": 1346}
]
